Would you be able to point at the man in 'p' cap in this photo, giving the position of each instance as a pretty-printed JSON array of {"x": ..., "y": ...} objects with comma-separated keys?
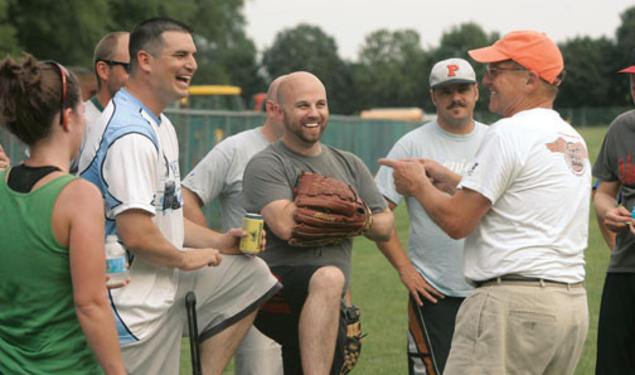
[
  {"x": 523, "y": 207},
  {"x": 432, "y": 269},
  {"x": 616, "y": 331}
]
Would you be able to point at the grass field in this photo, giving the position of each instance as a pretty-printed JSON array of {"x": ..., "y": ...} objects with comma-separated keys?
[{"x": 378, "y": 290}]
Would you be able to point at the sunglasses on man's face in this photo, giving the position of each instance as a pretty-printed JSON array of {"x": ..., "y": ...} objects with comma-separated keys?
[{"x": 113, "y": 63}]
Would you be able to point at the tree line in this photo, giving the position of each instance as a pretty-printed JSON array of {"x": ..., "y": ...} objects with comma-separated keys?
[{"x": 391, "y": 70}]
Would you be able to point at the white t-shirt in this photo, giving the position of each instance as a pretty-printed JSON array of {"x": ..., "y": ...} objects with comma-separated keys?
[
  {"x": 92, "y": 111},
  {"x": 220, "y": 174},
  {"x": 433, "y": 253},
  {"x": 534, "y": 168}
]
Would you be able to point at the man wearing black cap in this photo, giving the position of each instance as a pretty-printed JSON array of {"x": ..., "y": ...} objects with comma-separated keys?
[
  {"x": 614, "y": 169},
  {"x": 432, "y": 268}
]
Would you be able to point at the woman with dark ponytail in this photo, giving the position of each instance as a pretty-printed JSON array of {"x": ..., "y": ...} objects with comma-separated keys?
[{"x": 55, "y": 317}]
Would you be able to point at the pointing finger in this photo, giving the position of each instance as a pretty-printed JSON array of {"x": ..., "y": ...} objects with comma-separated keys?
[{"x": 387, "y": 162}]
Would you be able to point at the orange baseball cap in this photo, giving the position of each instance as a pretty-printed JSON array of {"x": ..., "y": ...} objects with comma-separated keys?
[{"x": 531, "y": 49}]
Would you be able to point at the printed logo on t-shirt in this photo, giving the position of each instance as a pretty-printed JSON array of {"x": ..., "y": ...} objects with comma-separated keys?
[
  {"x": 627, "y": 170},
  {"x": 169, "y": 197},
  {"x": 574, "y": 154},
  {"x": 472, "y": 169},
  {"x": 456, "y": 166}
]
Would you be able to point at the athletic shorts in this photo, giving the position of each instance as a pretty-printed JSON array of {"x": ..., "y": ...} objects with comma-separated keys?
[
  {"x": 520, "y": 328},
  {"x": 280, "y": 316},
  {"x": 430, "y": 330},
  {"x": 225, "y": 294},
  {"x": 258, "y": 355},
  {"x": 616, "y": 328}
]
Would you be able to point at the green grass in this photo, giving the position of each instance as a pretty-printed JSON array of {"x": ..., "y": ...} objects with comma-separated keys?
[{"x": 378, "y": 290}]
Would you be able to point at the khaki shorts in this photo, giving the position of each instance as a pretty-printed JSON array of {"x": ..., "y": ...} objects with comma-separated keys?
[
  {"x": 224, "y": 295},
  {"x": 519, "y": 328}
]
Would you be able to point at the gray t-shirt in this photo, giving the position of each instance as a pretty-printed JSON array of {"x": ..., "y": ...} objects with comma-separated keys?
[
  {"x": 615, "y": 162},
  {"x": 271, "y": 175},
  {"x": 434, "y": 254},
  {"x": 220, "y": 174}
]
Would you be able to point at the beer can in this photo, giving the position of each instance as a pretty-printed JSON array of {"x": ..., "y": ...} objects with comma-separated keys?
[{"x": 252, "y": 224}]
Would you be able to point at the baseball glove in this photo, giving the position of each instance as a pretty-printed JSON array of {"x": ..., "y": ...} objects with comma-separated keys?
[
  {"x": 354, "y": 335},
  {"x": 328, "y": 211}
]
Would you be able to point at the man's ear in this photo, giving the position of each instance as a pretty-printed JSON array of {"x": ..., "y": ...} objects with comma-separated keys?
[
  {"x": 533, "y": 82},
  {"x": 144, "y": 60},
  {"x": 433, "y": 97},
  {"x": 102, "y": 69}
]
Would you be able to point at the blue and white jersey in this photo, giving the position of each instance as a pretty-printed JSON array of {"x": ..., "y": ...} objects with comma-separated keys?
[{"x": 132, "y": 156}]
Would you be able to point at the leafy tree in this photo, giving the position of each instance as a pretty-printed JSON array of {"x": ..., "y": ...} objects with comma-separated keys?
[
  {"x": 68, "y": 32},
  {"x": 65, "y": 31},
  {"x": 392, "y": 71},
  {"x": 234, "y": 64},
  {"x": 308, "y": 48},
  {"x": 625, "y": 34},
  {"x": 625, "y": 38},
  {"x": 225, "y": 56},
  {"x": 8, "y": 42},
  {"x": 590, "y": 71},
  {"x": 459, "y": 39}
]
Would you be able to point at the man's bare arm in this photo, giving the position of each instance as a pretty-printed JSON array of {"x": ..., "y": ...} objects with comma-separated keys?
[
  {"x": 410, "y": 277},
  {"x": 192, "y": 207},
  {"x": 142, "y": 236}
]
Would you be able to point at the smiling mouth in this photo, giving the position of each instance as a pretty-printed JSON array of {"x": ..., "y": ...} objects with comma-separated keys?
[
  {"x": 311, "y": 126},
  {"x": 183, "y": 79}
]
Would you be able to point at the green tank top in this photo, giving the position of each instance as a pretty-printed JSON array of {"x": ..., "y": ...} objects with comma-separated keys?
[{"x": 39, "y": 331}]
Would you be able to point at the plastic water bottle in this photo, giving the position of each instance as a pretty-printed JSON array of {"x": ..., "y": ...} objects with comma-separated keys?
[{"x": 116, "y": 261}]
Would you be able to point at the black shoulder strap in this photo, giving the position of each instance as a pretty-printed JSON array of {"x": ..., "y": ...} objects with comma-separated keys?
[{"x": 22, "y": 177}]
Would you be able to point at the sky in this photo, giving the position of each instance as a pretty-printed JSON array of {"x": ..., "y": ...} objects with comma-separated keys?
[{"x": 350, "y": 21}]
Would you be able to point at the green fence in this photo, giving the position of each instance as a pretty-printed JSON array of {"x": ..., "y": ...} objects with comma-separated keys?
[{"x": 200, "y": 130}]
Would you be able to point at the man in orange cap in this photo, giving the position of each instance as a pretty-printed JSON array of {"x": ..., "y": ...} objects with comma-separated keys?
[
  {"x": 613, "y": 168},
  {"x": 523, "y": 206}
]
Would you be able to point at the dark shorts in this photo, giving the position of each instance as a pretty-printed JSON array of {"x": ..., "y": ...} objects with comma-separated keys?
[
  {"x": 430, "y": 330},
  {"x": 616, "y": 328},
  {"x": 280, "y": 316}
]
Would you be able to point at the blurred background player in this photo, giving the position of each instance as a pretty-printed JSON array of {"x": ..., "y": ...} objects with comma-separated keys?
[
  {"x": 53, "y": 303},
  {"x": 614, "y": 170},
  {"x": 433, "y": 273},
  {"x": 110, "y": 60},
  {"x": 219, "y": 175},
  {"x": 305, "y": 319}
]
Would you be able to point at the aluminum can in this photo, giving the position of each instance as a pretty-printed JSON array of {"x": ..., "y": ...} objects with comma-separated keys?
[{"x": 252, "y": 224}]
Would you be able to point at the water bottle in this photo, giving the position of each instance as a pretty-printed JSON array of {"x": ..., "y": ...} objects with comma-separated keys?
[{"x": 116, "y": 261}]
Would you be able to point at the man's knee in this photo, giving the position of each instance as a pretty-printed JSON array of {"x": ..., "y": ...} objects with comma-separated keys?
[{"x": 327, "y": 279}]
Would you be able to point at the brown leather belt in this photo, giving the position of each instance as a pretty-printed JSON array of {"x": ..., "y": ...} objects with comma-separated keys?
[{"x": 531, "y": 281}]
